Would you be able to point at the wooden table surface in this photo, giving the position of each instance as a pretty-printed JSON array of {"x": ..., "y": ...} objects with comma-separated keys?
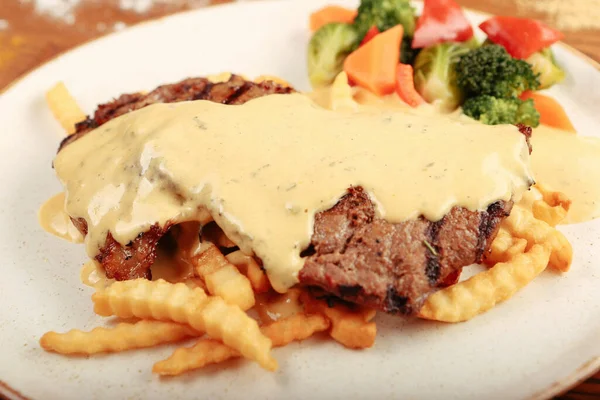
[{"x": 31, "y": 35}]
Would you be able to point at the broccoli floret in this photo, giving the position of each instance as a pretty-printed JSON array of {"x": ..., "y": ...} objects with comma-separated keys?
[
  {"x": 494, "y": 111},
  {"x": 385, "y": 14},
  {"x": 327, "y": 50},
  {"x": 435, "y": 75},
  {"x": 544, "y": 64},
  {"x": 490, "y": 70},
  {"x": 527, "y": 114}
]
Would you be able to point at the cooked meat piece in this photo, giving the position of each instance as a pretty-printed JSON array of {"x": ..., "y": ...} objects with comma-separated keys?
[
  {"x": 393, "y": 267},
  {"x": 353, "y": 254},
  {"x": 235, "y": 91},
  {"x": 134, "y": 260}
]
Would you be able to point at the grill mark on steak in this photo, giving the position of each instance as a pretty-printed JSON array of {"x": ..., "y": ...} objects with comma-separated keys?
[
  {"x": 432, "y": 270},
  {"x": 367, "y": 260},
  {"x": 229, "y": 92},
  {"x": 135, "y": 259}
]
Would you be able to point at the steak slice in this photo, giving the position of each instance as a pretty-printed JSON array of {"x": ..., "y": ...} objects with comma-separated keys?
[
  {"x": 135, "y": 259},
  {"x": 235, "y": 91},
  {"x": 393, "y": 266}
]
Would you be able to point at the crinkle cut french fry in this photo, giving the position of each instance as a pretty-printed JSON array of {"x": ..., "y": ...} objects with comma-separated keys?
[
  {"x": 222, "y": 278},
  {"x": 162, "y": 300},
  {"x": 348, "y": 327},
  {"x": 483, "y": 291},
  {"x": 203, "y": 353},
  {"x": 552, "y": 215},
  {"x": 553, "y": 207},
  {"x": 122, "y": 337},
  {"x": 296, "y": 327},
  {"x": 194, "y": 283},
  {"x": 553, "y": 198},
  {"x": 521, "y": 223},
  {"x": 249, "y": 267},
  {"x": 233, "y": 287},
  {"x": 210, "y": 351},
  {"x": 504, "y": 247},
  {"x": 209, "y": 260},
  {"x": 64, "y": 107}
]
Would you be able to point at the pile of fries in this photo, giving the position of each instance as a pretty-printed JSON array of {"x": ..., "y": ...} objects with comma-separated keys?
[{"x": 211, "y": 305}]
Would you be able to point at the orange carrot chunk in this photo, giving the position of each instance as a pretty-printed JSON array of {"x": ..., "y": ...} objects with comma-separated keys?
[
  {"x": 329, "y": 14},
  {"x": 373, "y": 66},
  {"x": 405, "y": 85},
  {"x": 551, "y": 112}
]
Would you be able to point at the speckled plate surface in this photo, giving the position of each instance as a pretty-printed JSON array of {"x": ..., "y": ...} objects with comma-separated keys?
[{"x": 546, "y": 337}]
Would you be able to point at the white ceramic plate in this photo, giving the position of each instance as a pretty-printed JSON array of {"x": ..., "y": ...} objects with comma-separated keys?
[{"x": 544, "y": 338}]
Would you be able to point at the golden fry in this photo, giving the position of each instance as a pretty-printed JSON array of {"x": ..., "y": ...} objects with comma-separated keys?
[
  {"x": 122, "y": 337},
  {"x": 249, "y": 267},
  {"x": 162, "y": 300},
  {"x": 184, "y": 359},
  {"x": 552, "y": 208},
  {"x": 209, "y": 351},
  {"x": 295, "y": 328},
  {"x": 222, "y": 278},
  {"x": 552, "y": 215},
  {"x": 348, "y": 327},
  {"x": 521, "y": 224},
  {"x": 233, "y": 287},
  {"x": 64, "y": 107},
  {"x": 552, "y": 198},
  {"x": 209, "y": 260},
  {"x": 194, "y": 283},
  {"x": 483, "y": 291},
  {"x": 505, "y": 247}
]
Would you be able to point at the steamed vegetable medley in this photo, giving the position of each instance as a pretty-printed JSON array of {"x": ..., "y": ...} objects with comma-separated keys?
[{"x": 386, "y": 48}]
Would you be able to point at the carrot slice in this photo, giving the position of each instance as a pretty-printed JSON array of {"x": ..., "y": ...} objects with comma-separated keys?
[
  {"x": 329, "y": 14},
  {"x": 373, "y": 66},
  {"x": 405, "y": 85},
  {"x": 551, "y": 112}
]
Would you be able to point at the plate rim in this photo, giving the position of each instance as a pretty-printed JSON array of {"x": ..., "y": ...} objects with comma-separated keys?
[
  {"x": 579, "y": 375},
  {"x": 235, "y": 3}
]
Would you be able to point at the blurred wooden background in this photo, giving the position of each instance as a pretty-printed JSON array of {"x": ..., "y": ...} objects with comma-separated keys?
[{"x": 34, "y": 31}]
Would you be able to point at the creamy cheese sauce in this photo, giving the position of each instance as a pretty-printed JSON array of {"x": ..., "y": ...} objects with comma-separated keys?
[
  {"x": 569, "y": 164},
  {"x": 53, "y": 218},
  {"x": 263, "y": 169},
  {"x": 92, "y": 274},
  {"x": 561, "y": 161}
]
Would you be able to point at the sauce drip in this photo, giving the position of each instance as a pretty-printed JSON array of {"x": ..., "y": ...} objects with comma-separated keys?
[
  {"x": 53, "y": 218},
  {"x": 92, "y": 274},
  {"x": 569, "y": 164},
  {"x": 263, "y": 169}
]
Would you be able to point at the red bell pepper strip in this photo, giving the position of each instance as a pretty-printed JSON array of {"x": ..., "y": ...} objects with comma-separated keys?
[
  {"x": 441, "y": 21},
  {"x": 521, "y": 37},
  {"x": 371, "y": 33}
]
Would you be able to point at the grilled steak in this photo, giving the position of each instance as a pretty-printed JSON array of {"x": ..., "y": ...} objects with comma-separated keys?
[
  {"x": 352, "y": 254},
  {"x": 392, "y": 267},
  {"x": 134, "y": 260},
  {"x": 235, "y": 91}
]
